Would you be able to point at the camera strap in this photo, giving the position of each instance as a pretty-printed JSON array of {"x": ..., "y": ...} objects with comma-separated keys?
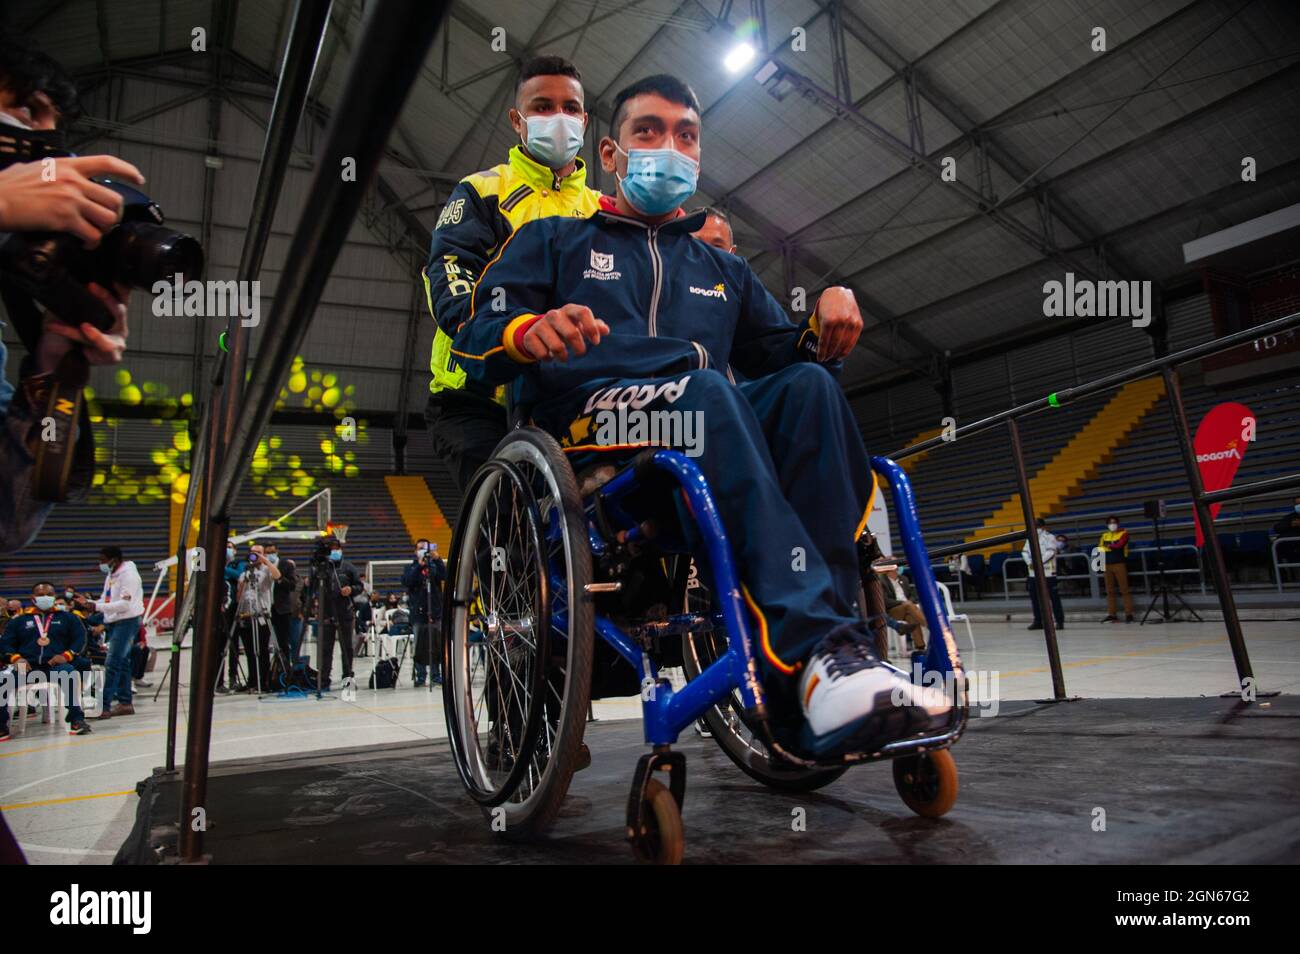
[{"x": 57, "y": 401}]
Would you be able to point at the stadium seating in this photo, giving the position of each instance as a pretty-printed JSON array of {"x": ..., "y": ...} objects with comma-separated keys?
[{"x": 1145, "y": 465}]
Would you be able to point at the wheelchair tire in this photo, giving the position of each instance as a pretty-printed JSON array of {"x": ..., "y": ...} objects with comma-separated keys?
[
  {"x": 663, "y": 842},
  {"x": 738, "y": 740},
  {"x": 927, "y": 782},
  {"x": 556, "y": 715}
]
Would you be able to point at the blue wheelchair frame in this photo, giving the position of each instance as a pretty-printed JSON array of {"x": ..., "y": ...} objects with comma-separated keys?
[{"x": 666, "y": 712}]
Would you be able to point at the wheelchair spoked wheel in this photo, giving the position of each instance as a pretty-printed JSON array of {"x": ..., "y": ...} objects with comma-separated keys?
[
  {"x": 518, "y": 652},
  {"x": 927, "y": 782},
  {"x": 735, "y": 737}
]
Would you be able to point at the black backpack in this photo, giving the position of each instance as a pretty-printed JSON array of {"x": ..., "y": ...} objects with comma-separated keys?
[
  {"x": 385, "y": 674},
  {"x": 301, "y": 676}
]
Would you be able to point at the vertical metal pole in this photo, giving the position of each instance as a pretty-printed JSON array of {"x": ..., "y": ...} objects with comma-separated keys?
[
  {"x": 1040, "y": 578},
  {"x": 1218, "y": 567},
  {"x": 174, "y": 664},
  {"x": 306, "y": 34}
]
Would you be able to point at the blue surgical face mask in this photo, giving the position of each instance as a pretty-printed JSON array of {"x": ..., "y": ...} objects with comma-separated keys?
[
  {"x": 43, "y": 603},
  {"x": 336, "y": 555},
  {"x": 104, "y": 568},
  {"x": 553, "y": 140},
  {"x": 1297, "y": 508},
  {"x": 658, "y": 180},
  {"x": 230, "y": 553},
  {"x": 273, "y": 558}
]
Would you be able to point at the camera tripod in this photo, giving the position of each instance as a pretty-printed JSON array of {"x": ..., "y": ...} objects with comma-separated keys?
[{"x": 1162, "y": 591}]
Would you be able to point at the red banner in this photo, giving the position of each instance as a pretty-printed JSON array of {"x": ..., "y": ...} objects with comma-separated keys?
[{"x": 1221, "y": 442}]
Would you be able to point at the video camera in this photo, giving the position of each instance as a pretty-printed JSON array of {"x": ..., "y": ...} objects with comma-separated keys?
[
  {"x": 320, "y": 555},
  {"x": 54, "y": 268}
]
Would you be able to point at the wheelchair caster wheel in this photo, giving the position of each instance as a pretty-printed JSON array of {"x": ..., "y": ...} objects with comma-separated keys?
[
  {"x": 661, "y": 839},
  {"x": 927, "y": 782}
]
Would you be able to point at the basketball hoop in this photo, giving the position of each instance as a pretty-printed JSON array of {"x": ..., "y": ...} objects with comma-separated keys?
[{"x": 338, "y": 530}]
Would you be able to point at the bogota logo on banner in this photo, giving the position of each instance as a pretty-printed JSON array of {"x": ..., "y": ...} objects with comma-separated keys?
[{"x": 1221, "y": 443}]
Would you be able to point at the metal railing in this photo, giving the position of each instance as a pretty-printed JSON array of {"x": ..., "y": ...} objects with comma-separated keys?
[
  {"x": 1093, "y": 578},
  {"x": 1166, "y": 366},
  {"x": 1279, "y": 566},
  {"x": 1060, "y": 557},
  {"x": 1147, "y": 574}
]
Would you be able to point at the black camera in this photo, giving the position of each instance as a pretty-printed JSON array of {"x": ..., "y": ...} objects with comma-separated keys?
[
  {"x": 54, "y": 267},
  {"x": 320, "y": 557}
]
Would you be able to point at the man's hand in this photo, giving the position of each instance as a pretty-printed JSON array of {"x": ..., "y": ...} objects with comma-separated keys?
[
  {"x": 345, "y": 590},
  {"x": 32, "y": 201},
  {"x": 562, "y": 330},
  {"x": 840, "y": 323},
  {"x": 101, "y": 347}
]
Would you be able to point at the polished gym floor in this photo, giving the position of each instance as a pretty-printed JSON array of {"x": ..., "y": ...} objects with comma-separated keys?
[{"x": 73, "y": 800}]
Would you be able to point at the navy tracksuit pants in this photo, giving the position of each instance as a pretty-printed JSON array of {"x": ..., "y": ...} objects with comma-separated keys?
[{"x": 792, "y": 481}]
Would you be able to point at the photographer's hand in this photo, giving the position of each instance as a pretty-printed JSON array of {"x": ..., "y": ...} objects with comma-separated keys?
[
  {"x": 100, "y": 347},
  {"x": 32, "y": 200}
]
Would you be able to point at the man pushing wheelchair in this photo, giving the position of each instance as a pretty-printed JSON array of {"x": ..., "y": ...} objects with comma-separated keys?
[{"x": 626, "y": 310}]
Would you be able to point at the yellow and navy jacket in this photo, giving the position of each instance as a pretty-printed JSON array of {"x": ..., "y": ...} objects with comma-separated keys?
[
  {"x": 20, "y": 640},
  {"x": 1114, "y": 543},
  {"x": 672, "y": 304},
  {"x": 483, "y": 212}
]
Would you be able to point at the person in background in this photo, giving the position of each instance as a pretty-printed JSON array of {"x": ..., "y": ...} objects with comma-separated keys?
[
  {"x": 340, "y": 583},
  {"x": 423, "y": 579},
  {"x": 253, "y": 616},
  {"x": 542, "y": 176},
  {"x": 50, "y": 642},
  {"x": 959, "y": 567},
  {"x": 140, "y": 661},
  {"x": 297, "y": 610},
  {"x": 716, "y": 230},
  {"x": 1047, "y": 549},
  {"x": 122, "y": 603},
  {"x": 44, "y": 190},
  {"x": 1289, "y": 526},
  {"x": 283, "y": 597},
  {"x": 12, "y": 608},
  {"x": 900, "y": 605},
  {"x": 1114, "y": 547},
  {"x": 234, "y": 568},
  {"x": 365, "y": 618},
  {"x": 96, "y": 640}
]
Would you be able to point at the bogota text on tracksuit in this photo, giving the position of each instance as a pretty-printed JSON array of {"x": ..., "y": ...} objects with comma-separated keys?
[{"x": 693, "y": 329}]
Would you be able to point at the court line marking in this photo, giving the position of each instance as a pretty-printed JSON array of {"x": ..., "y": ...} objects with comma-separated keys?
[{"x": 64, "y": 801}]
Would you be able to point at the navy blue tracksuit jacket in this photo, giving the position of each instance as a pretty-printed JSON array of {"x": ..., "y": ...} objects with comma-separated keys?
[
  {"x": 68, "y": 640},
  {"x": 693, "y": 329}
]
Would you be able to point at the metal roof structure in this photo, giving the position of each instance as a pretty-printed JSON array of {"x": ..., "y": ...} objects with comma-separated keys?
[{"x": 1067, "y": 157}]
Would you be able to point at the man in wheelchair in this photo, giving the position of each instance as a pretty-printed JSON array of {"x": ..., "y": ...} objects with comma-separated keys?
[{"x": 626, "y": 311}]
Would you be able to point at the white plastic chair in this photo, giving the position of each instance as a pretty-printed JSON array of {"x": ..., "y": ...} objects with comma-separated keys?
[
  {"x": 897, "y": 643},
  {"x": 954, "y": 617},
  {"x": 47, "y": 699}
]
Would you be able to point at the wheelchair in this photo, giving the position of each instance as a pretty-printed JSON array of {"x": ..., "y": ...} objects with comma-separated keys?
[{"x": 573, "y": 579}]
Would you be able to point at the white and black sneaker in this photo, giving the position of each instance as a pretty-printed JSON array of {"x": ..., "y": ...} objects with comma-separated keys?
[{"x": 854, "y": 703}]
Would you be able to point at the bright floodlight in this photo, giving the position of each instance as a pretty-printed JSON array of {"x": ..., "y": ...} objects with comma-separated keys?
[{"x": 738, "y": 57}]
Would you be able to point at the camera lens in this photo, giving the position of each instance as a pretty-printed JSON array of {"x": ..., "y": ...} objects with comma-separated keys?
[{"x": 143, "y": 254}]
